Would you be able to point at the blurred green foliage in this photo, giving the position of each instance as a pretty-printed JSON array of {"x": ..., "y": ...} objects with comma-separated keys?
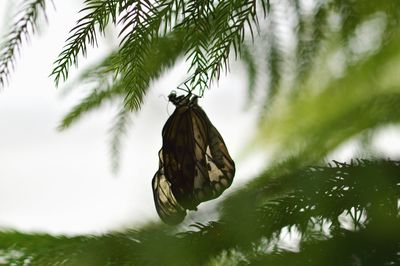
[
  {"x": 345, "y": 214},
  {"x": 327, "y": 71}
]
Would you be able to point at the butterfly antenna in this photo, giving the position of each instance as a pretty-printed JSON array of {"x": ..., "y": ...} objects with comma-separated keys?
[
  {"x": 167, "y": 100},
  {"x": 163, "y": 96}
]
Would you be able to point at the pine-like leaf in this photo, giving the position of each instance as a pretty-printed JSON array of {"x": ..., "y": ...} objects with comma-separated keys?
[
  {"x": 117, "y": 132},
  {"x": 97, "y": 16},
  {"x": 196, "y": 24},
  {"x": 89, "y": 103},
  {"x": 232, "y": 17},
  {"x": 251, "y": 64},
  {"x": 25, "y": 25},
  {"x": 311, "y": 200}
]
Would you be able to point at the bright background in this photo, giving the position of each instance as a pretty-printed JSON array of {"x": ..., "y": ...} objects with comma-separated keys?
[{"x": 61, "y": 182}]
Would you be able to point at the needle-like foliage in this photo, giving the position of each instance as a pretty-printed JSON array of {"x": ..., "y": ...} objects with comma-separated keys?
[
  {"x": 344, "y": 214},
  {"x": 323, "y": 73},
  {"x": 96, "y": 16},
  {"x": 22, "y": 28}
]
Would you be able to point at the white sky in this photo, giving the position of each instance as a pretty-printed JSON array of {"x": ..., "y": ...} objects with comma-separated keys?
[{"x": 62, "y": 182}]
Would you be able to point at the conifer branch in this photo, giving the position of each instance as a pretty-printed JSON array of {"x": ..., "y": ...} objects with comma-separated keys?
[
  {"x": 231, "y": 19},
  {"x": 197, "y": 25},
  {"x": 117, "y": 131},
  {"x": 135, "y": 46},
  {"x": 20, "y": 30},
  {"x": 251, "y": 65},
  {"x": 142, "y": 22},
  {"x": 90, "y": 102},
  {"x": 306, "y": 199},
  {"x": 98, "y": 15}
]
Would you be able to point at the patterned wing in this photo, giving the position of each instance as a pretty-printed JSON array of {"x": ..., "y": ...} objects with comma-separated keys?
[
  {"x": 216, "y": 168},
  {"x": 168, "y": 208},
  {"x": 195, "y": 165},
  {"x": 179, "y": 154}
]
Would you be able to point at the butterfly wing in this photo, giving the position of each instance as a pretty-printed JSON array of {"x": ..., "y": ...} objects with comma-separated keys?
[
  {"x": 216, "y": 167},
  {"x": 195, "y": 165},
  {"x": 179, "y": 154},
  {"x": 168, "y": 208}
]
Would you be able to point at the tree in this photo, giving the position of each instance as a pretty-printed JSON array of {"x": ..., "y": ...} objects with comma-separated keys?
[{"x": 328, "y": 73}]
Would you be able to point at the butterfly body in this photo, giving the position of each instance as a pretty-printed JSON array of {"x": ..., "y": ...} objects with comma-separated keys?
[{"x": 194, "y": 164}]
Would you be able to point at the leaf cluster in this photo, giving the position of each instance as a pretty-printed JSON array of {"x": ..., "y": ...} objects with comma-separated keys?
[
  {"x": 25, "y": 23},
  {"x": 341, "y": 214}
]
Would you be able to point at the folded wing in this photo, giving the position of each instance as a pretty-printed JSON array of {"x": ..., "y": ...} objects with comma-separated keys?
[{"x": 195, "y": 165}]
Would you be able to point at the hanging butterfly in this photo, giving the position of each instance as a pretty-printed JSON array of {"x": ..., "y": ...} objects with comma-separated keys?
[{"x": 194, "y": 163}]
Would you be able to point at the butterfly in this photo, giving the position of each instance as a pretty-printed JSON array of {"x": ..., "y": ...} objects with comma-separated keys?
[{"x": 194, "y": 163}]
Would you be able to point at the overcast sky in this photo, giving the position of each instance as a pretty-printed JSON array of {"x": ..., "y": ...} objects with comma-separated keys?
[{"x": 61, "y": 182}]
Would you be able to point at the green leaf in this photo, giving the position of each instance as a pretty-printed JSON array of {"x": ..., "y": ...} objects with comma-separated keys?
[{"x": 22, "y": 28}]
